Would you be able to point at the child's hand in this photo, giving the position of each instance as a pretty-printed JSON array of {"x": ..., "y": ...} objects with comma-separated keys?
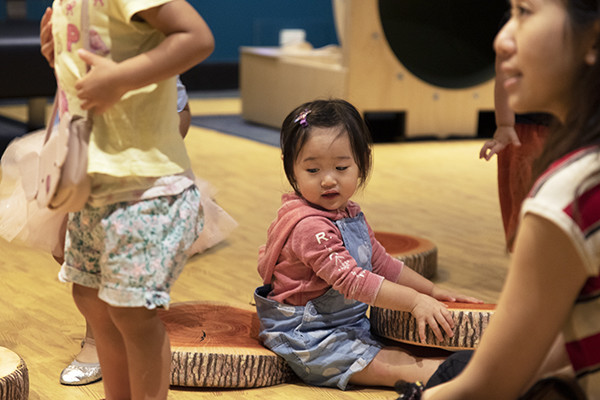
[
  {"x": 447, "y": 295},
  {"x": 46, "y": 38},
  {"x": 100, "y": 88},
  {"x": 429, "y": 311},
  {"x": 503, "y": 136}
]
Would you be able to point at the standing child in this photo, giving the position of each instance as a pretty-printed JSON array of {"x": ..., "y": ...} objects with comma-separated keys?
[
  {"x": 85, "y": 367},
  {"x": 518, "y": 141},
  {"x": 322, "y": 265},
  {"x": 126, "y": 248},
  {"x": 552, "y": 291}
]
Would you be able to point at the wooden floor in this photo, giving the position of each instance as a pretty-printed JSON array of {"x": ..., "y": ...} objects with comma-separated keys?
[{"x": 438, "y": 190}]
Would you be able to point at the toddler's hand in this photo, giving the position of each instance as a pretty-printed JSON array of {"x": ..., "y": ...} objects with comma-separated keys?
[
  {"x": 503, "y": 136},
  {"x": 429, "y": 311},
  {"x": 489, "y": 148},
  {"x": 46, "y": 38},
  {"x": 99, "y": 89},
  {"x": 447, "y": 295}
]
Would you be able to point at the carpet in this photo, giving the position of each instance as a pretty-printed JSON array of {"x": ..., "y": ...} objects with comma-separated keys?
[
  {"x": 382, "y": 132},
  {"x": 235, "y": 125}
]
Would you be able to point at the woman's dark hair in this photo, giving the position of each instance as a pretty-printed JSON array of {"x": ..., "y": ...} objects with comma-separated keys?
[
  {"x": 582, "y": 124},
  {"x": 297, "y": 126}
]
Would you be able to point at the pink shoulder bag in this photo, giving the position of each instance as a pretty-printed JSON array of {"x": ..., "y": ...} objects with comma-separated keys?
[{"x": 57, "y": 176}]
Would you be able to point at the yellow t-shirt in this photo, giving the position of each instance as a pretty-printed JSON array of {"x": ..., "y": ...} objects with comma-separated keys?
[{"x": 139, "y": 135}]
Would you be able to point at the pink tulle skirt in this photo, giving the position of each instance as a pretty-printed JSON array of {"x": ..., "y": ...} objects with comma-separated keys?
[
  {"x": 23, "y": 222},
  {"x": 217, "y": 223}
]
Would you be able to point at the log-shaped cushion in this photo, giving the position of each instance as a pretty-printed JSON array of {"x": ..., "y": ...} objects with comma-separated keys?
[
  {"x": 14, "y": 376},
  {"x": 418, "y": 253},
  {"x": 216, "y": 345},
  {"x": 470, "y": 320}
]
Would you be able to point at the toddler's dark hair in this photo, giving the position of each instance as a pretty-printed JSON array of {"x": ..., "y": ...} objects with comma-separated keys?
[{"x": 297, "y": 126}]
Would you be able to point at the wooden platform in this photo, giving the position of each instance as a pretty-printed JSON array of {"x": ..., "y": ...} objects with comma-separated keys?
[{"x": 438, "y": 190}]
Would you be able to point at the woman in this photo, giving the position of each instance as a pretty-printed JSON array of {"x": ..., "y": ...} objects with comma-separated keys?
[{"x": 550, "y": 56}]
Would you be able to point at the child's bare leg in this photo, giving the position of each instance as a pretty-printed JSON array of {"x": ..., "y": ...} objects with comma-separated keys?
[
  {"x": 392, "y": 364},
  {"x": 109, "y": 342},
  {"x": 88, "y": 353},
  {"x": 148, "y": 351}
]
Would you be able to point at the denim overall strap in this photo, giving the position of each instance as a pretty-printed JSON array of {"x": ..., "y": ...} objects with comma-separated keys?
[{"x": 355, "y": 234}]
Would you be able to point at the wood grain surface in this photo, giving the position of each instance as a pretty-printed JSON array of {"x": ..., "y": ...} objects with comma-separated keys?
[{"x": 217, "y": 345}]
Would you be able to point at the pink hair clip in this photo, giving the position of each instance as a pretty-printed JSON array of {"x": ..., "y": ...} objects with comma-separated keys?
[{"x": 302, "y": 118}]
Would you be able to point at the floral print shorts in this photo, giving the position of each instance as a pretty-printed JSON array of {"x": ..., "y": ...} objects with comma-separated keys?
[{"x": 132, "y": 252}]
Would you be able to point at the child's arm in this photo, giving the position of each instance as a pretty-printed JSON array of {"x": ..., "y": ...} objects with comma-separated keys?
[
  {"x": 417, "y": 294},
  {"x": 412, "y": 279},
  {"x": 411, "y": 291},
  {"x": 188, "y": 41},
  {"x": 394, "y": 270},
  {"x": 46, "y": 38},
  {"x": 425, "y": 309},
  {"x": 505, "y": 120}
]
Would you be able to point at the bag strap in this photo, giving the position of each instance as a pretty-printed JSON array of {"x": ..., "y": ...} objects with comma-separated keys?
[
  {"x": 50, "y": 124},
  {"x": 85, "y": 27},
  {"x": 85, "y": 37}
]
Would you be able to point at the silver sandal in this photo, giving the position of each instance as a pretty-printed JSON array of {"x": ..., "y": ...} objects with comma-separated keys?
[{"x": 79, "y": 373}]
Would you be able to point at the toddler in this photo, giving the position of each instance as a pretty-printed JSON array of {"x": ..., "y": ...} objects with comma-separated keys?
[{"x": 322, "y": 265}]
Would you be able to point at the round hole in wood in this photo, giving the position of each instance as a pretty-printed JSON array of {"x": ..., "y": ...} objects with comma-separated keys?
[{"x": 444, "y": 43}]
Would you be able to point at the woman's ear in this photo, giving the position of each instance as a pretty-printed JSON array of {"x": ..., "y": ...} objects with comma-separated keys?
[{"x": 591, "y": 54}]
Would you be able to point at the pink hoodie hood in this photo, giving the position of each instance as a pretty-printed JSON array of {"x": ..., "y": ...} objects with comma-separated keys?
[{"x": 294, "y": 209}]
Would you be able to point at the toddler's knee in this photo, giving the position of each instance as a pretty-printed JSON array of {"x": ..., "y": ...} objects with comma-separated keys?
[
  {"x": 134, "y": 321},
  {"x": 86, "y": 299}
]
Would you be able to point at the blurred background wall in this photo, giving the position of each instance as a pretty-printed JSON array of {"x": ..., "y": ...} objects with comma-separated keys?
[{"x": 234, "y": 23}]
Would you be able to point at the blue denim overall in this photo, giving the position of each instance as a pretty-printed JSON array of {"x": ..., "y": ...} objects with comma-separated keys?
[{"x": 328, "y": 339}]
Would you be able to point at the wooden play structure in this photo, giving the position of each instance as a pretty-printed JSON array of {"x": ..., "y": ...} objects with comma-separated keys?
[{"x": 441, "y": 83}]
